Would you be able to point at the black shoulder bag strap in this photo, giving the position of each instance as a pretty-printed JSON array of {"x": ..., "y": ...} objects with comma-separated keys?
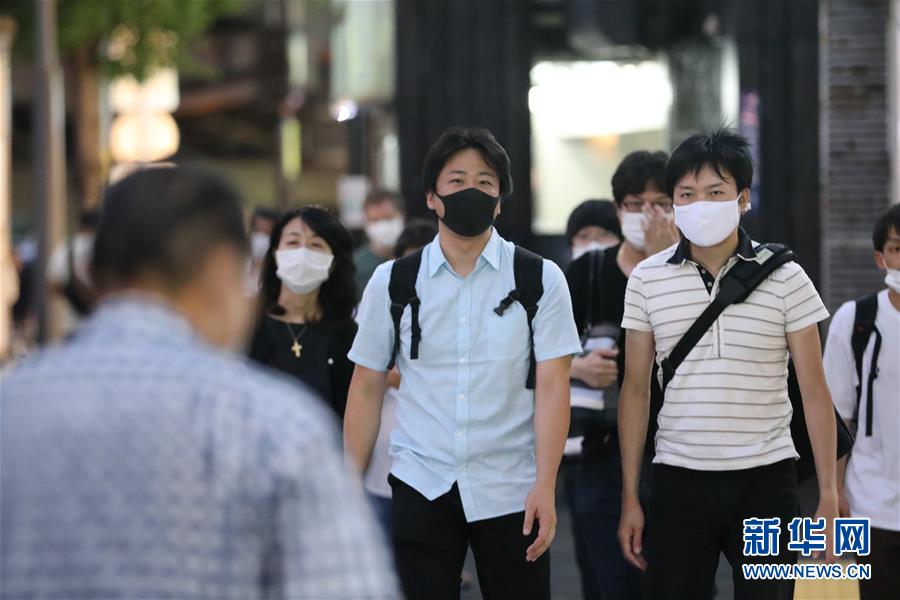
[
  {"x": 402, "y": 290},
  {"x": 863, "y": 327},
  {"x": 734, "y": 287},
  {"x": 528, "y": 270}
]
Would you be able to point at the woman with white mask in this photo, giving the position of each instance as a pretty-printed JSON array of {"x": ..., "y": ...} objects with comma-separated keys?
[{"x": 307, "y": 297}]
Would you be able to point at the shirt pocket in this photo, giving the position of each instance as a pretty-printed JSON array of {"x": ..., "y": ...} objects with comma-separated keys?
[{"x": 504, "y": 336}]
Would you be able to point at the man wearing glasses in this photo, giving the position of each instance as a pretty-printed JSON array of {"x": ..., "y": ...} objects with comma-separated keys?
[{"x": 594, "y": 482}]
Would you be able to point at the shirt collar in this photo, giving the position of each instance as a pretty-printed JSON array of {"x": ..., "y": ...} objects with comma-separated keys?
[
  {"x": 141, "y": 314},
  {"x": 744, "y": 249},
  {"x": 490, "y": 254}
]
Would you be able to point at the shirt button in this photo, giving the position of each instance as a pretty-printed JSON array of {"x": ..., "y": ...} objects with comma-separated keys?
[
  {"x": 459, "y": 434},
  {"x": 462, "y": 361},
  {"x": 708, "y": 284},
  {"x": 461, "y": 397},
  {"x": 462, "y": 319}
]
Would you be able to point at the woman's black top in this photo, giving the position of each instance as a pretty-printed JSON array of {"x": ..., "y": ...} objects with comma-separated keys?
[{"x": 322, "y": 365}]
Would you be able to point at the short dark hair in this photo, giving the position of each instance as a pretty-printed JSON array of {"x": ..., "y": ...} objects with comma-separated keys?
[
  {"x": 89, "y": 219},
  {"x": 601, "y": 213},
  {"x": 337, "y": 296},
  {"x": 458, "y": 138},
  {"x": 722, "y": 150},
  {"x": 887, "y": 221},
  {"x": 164, "y": 222},
  {"x": 637, "y": 171},
  {"x": 379, "y": 195},
  {"x": 264, "y": 212},
  {"x": 417, "y": 233}
]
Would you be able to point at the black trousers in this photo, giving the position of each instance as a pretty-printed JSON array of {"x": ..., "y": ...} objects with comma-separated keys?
[
  {"x": 430, "y": 543},
  {"x": 885, "y": 561},
  {"x": 694, "y": 515}
]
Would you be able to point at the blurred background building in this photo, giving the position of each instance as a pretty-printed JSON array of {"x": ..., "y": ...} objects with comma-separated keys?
[{"x": 316, "y": 101}]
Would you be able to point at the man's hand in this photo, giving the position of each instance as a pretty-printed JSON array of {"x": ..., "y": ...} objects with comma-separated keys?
[
  {"x": 828, "y": 509},
  {"x": 598, "y": 369},
  {"x": 660, "y": 231},
  {"x": 540, "y": 505},
  {"x": 631, "y": 533}
]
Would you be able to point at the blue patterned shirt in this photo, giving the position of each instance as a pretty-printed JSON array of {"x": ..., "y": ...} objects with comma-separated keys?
[
  {"x": 464, "y": 414},
  {"x": 139, "y": 462}
]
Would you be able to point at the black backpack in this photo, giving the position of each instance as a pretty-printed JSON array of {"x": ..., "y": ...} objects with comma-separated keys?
[
  {"x": 863, "y": 327},
  {"x": 528, "y": 270},
  {"x": 736, "y": 285}
]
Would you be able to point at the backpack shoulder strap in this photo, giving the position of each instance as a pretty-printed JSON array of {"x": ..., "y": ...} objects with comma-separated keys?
[
  {"x": 402, "y": 290},
  {"x": 735, "y": 286},
  {"x": 863, "y": 327},
  {"x": 528, "y": 270}
]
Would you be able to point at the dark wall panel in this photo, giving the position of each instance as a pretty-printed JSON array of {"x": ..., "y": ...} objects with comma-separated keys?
[{"x": 465, "y": 62}]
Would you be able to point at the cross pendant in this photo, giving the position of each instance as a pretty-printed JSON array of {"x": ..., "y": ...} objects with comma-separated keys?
[{"x": 296, "y": 348}]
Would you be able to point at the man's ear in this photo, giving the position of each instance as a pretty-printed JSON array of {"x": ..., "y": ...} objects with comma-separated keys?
[
  {"x": 429, "y": 199},
  {"x": 744, "y": 200},
  {"x": 879, "y": 260}
]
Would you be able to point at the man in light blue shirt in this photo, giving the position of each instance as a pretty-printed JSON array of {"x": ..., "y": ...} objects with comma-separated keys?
[
  {"x": 475, "y": 452},
  {"x": 140, "y": 461}
]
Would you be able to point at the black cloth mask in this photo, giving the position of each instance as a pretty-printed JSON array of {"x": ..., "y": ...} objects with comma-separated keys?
[{"x": 468, "y": 212}]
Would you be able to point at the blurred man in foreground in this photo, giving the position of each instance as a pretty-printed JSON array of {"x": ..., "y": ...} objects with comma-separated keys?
[{"x": 138, "y": 461}]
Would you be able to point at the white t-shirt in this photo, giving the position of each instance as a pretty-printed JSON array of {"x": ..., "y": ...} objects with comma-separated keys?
[
  {"x": 375, "y": 480},
  {"x": 872, "y": 481}
]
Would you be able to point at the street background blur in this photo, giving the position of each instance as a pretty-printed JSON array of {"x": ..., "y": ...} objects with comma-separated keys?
[{"x": 302, "y": 102}]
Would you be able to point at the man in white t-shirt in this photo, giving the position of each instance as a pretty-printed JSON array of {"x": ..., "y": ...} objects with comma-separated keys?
[
  {"x": 724, "y": 451},
  {"x": 870, "y": 487}
]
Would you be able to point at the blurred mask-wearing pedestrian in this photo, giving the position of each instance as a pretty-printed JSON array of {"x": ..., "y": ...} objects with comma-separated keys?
[
  {"x": 261, "y": 223},
  {"x": 475, "y": 451},
  {"x": 723, "y": 446},
  {"x": 144, "y": 458},
  {"x": 383, "y": 210},
  {"x": 307, "y": 298},
  {"x": 865, "y": 394},
  {"x": 641, "y": 215}
]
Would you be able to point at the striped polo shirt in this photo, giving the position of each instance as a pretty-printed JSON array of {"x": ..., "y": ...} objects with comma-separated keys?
[{"x": 727, "y": 407}]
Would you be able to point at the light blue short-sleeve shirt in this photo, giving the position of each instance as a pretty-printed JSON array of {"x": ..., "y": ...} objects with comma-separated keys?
[{"x": 464, "y": 414}]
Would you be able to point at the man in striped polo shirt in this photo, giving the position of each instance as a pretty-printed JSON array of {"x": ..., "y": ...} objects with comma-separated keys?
[{"x": 723, "y": 448}]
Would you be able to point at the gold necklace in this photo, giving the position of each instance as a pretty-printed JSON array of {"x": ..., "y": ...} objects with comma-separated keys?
[{"x": 296, "y": 348}]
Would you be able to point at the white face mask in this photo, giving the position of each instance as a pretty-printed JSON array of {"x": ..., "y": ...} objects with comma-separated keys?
[
  {"x": 386, "y": 232},
  {"x": 302, "y": 270},
  {"x": 259, "y": 244},
  {"x": 579, "y": 251},
  {"x": 892, "y": 279},
  {"x": 633, "y": 229},
  {"x": 707, "y": 223}
]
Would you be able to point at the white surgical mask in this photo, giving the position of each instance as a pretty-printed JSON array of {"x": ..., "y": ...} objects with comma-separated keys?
[
  {"x": 259, "y": 244},
  {"x": 707, "y": 223},
  {"x": 579, "y": 251},
  {"x": 633, "y": 229},
  {"x": 302, "y": 270},
  {"x": 892, "y": 279},
  {"x": 386, "y": 232}
]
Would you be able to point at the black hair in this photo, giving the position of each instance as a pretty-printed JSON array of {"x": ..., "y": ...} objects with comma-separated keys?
[
  {"x": 890, "y": 219},
  {"x": 264, "y": 212},
  {"x": 417, "y": 233},
  {"x": 459, "y": 138},
  {"x": 593, "y": 212},
  {"x": 379, "y": 195},
  {"x": 337, "y": 296},
  {"x": 164, "y": 222},
  {"x": 89, "y": 219},
  {"x": 723, "y": 150},
  {"x": 637, "y": 171}
]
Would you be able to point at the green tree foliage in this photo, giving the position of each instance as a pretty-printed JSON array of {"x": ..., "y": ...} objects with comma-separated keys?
[{"x": 130, "y": 36}]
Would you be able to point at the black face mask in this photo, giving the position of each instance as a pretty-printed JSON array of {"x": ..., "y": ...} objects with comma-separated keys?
[{"x": 468, "y": 212}]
